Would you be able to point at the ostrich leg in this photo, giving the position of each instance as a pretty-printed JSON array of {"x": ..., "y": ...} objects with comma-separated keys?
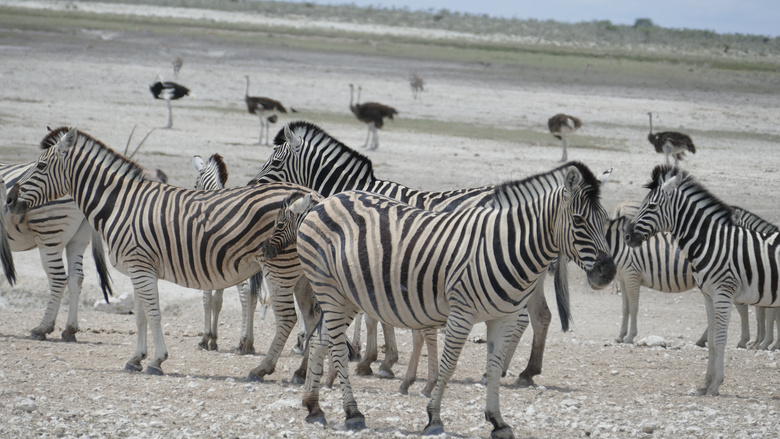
[{"x": 170, "y": 116}]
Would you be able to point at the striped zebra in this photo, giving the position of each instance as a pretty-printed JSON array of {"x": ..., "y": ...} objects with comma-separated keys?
[
  {"x": 196, "y": 239},
  {"x": 55, "y": 227},
  {"x": 307, "y": 155},
  {"x": 6, "y": 256},
  {"x": 418, "y": 269},
  {"x": 733, "y": 264}
]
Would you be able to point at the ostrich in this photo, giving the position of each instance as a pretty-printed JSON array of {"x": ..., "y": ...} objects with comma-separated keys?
[
  {"x": 670, "y": 142},
  {"x": 168, "y": 91},
  {"x": 265, "y": 109},
  {"x": 372, "y": 114},
  {"x": 417, "y": 83},
  {"x": 177, "y": 63},
  {"x": 561, "y": 125}
]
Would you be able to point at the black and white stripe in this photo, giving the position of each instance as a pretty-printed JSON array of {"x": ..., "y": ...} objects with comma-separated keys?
[
  {"x": 419, "y": 269},
  {"x": 307, "y": 155},
  {"x": 732, "y": 264},
  {"x": 197, "y": 239},
  {"x": 6, "y": 256},
  {"x": 55, "y": 227}
]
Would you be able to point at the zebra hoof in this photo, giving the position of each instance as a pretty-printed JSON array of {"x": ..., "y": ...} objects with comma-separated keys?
[
  {"x": 37, "y": 336},
  {"x": 433, "y": 429},
  {"x": 133, "y": 367},
  {"x": 317, "y": 418},
  {"x": 504, "y": 432},
  {"x": 363, "y": 369},
  {"x": 403, "y": 389},
  {"x": 203, "y": 345},
  {"x": 213, "y": 346},
  {"x": 356, "y": 423},
  {"x": 69, "y": 335},
  {"x": 151, "y": 370},
  {"x": 385, "y": 373},
  {"x": 252, "y": 378},
  {"x": 297, "y": 379}
]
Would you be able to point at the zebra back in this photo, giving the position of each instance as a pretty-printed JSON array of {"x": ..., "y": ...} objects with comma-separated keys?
[{"x": 749, "y": 220}]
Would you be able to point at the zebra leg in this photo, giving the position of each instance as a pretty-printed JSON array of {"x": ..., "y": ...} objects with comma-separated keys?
[
  {"x": 318, "y": 347},
  {"x": 626, "y": 311},
  {"x": 459, "y": 325},
  {"x": 540, "y": 322},
  {"x": 364, "y": 367},
  {"x": 74, "y": 252},
  {"x": 769, "y": 333},
  {"x": 310, "y": 314},
  {"x": 414, "y": 359},
  {"x": 283, "y": 305},
  {"x": 246, "y": 345},
  {"x": 718, "y": 312},
  {"x": 356, "y": 343},
  {"x": 134, "y": 363},
  {"x": 431, "y": 341},
  {"x": 744, "y": 325},
  {"x": 207, "y": 306},
  {"x": 391, "y": 353},
  {"x": 337, "y": 326},
  {"x": 631, "y": 290},
  {"x": 777, "y": 324},
  {"x": 55, "y": 271},
  {"x": 522, "y": 324},
  {"x": 498, "y": 334},
  {"x": 145, "y": 286}
]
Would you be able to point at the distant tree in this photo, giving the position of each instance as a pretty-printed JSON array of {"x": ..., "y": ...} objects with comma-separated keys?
[{"x": 643, "y": 22}]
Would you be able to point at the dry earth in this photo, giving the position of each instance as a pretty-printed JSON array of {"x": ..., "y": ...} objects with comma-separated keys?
[{"x": 591, "y": 386}]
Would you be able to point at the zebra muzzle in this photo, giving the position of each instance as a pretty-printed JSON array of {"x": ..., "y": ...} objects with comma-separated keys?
[
  {"x": 634, "y": 239},
  {"x": 14, "y": 204},
  {"x": 603, "y": 271}
]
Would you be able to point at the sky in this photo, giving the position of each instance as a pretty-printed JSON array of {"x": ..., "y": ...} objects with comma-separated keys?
[{"x": 760, "y": 17}]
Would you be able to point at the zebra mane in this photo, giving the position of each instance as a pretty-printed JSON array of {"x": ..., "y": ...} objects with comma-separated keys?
[
  {"x": 308, "y": 130},
  {"x": 111, "y": 158},
  {"x": 505, "y": 193},
  {"x": 221, "y": 168},
  {"x": 687, "y": 180}
]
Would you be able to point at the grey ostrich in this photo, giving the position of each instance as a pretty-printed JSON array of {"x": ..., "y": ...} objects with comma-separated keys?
[
  {"x": 265, "y": 109},
  {"x": 372, "y": 114},
  {"x": 670, "y": 142},
  {"x": 561, "y": 125}
]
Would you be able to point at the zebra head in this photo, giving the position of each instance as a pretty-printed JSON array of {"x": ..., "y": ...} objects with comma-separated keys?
[
  {"x": 581, "y": 225},
  {"x": 45, "y": 181},
  {"x": 656, "y": 213},
  {"x": 212, "y": 175},
  {"x": 278, "y": 167},
  {"x": 288, "y": 220}
]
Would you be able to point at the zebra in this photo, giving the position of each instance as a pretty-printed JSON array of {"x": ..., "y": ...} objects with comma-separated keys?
[
  {"x": 55, "y": 227},
  {"x": 733, "y": 264},
  {"x": 197, "y": 239},
  {"x": 414, "y": 268},
  {"x": 766, "y": 318},
  {"x": 6, "y": 256},
  {"x": 658, "y": 263},
  {"x": 307, "y": 155}
]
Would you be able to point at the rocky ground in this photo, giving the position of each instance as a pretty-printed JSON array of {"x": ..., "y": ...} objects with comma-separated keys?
[{"x": 97, "y": 80}]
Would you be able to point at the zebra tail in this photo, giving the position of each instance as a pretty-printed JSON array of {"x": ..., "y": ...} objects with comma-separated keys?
[
  {"x": 6, "y": 255},
  {"x": 255, "y": 283},
  {"x": 561, "y": 281},
  {"x": 313, "y": 330},
  {"x": 100, "y": 263}
]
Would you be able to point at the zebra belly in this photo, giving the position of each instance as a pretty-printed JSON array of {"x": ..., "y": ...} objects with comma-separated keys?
[{"x": 51, "y": 225}]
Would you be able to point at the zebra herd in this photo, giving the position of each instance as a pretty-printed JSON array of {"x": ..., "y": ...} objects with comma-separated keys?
[{"x": 319, "y": 229}]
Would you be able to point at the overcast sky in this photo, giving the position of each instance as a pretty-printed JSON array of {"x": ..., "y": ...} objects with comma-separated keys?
[{"x": 761, "y": 17}]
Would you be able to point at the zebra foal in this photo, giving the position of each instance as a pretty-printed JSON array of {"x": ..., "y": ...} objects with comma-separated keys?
[
  {"x": 197, "y": 239},
  {"x": 732, "y": 264},
  {"x": 418, "y": 269}
]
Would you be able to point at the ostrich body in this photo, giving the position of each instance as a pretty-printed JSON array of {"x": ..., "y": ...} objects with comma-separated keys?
[
  {"x": 168, "y": 91},
  {"x": 671, "y": 142},
  {"x": 372, "y": 114},
  {"x": 417, "y": 84},
  {"x": 265, "y": 109},
  {"x": 561, "y": 125}
]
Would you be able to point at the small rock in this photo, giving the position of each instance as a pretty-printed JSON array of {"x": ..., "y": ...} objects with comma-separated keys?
[
  {"x": 652, "y": 341},
  {"x": 25, "y": 405}
]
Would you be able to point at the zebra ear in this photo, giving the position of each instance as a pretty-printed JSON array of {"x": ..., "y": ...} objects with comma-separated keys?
[
  {"x": 198, "y": 163},
  {"x": 66, "y": 142},
  {"x": 293, "y": 140},
  {"x": 572, "y": 180},
  {"x": 670, "y": 184},
  {"x": 302, "y": 205}
]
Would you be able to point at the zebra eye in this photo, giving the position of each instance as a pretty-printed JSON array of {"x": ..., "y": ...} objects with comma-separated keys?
[
  {"x": 652, "y": 206},
  {"x": 41, "y": 166},
  {"x": 579, "y": 220}
]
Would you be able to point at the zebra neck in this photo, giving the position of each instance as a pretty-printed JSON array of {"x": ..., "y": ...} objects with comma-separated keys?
[
  {"x": 98, "y": 179},
  {"x": 695, "y": 223}
]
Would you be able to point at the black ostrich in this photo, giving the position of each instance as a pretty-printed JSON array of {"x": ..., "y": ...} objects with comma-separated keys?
[
  {"x": 168, "y": 91},
  {"x": 372, "y": 114},
  {"x": 670, "y": 142},
  {"x": 561, "y": 125},
  {"x": 265, "y": 109}
]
